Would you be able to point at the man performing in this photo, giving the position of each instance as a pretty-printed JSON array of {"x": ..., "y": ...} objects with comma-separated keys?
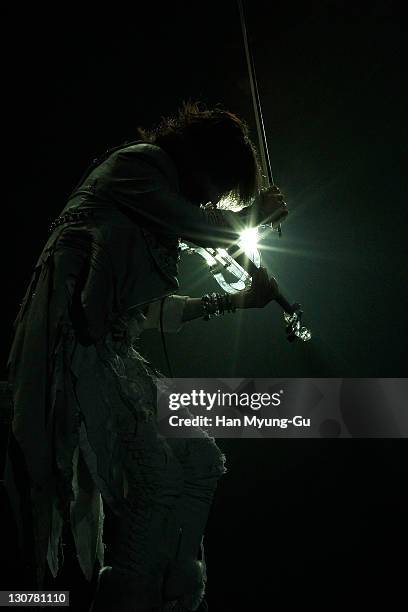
[{"x": 84, "y": 433}]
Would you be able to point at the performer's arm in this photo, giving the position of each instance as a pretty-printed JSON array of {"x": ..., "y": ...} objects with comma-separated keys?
[
  {"x": 145, "y": 194},
  {"x": 262, "y": 291},
  {"x": 175, "y": 310}
]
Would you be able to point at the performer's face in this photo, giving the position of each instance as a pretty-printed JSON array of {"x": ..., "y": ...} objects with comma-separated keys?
[
  {"x": 214, "y": 193},
  {"x": 200, "y": 190}
]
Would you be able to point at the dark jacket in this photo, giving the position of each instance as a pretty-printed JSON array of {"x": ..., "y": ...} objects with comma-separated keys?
[{"x": 113, "y": 249}]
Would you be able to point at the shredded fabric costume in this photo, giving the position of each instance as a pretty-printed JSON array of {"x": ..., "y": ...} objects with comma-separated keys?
[{"x": 84, "y": 425}]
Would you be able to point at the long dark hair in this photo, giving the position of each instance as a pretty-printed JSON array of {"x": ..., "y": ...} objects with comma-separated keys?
[{"x": 215, "y": 140}]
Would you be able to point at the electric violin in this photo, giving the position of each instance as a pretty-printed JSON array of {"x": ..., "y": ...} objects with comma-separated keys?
[
  {"x": 233, "y": 267},
  {"x": 233, "y": 276}
]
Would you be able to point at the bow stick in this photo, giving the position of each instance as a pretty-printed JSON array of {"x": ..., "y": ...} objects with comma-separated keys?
[{"x": 227, "y": 262}]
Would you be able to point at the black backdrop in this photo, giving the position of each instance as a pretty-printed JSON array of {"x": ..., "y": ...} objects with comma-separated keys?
[{"x": 294, "y": 521}]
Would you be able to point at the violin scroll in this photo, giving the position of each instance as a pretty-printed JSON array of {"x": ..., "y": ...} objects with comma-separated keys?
[{"x": 294, "y": 328}]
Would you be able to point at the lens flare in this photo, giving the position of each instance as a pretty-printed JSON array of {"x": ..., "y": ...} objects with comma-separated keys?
[{"x": 248, "y": 240}]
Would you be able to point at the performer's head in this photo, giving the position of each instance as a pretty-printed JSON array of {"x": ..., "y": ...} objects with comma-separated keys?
[{"x": 213, "y": 154}]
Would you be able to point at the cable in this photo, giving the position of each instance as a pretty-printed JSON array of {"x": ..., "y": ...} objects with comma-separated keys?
[
  {"x": 8, "y": 390},
  {"x": 164, "y": 339}
]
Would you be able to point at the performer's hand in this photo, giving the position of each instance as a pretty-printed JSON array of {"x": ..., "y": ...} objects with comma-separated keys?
[
  {"x": 272, "y": 207},
  {"x": 263, "y": 290}
]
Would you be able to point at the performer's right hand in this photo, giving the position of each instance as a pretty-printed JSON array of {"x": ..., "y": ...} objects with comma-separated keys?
[{"x": 272, "y": 207}]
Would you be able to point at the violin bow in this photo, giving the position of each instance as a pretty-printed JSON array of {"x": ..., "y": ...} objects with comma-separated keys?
[
  {"x": 222, "y": 262},
  {"x": 293, "y": 313},
  {"x": 266, "y": 165}
]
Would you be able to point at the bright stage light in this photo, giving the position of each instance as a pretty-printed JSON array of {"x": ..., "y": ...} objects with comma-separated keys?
[{"x": 248, "y": 240}]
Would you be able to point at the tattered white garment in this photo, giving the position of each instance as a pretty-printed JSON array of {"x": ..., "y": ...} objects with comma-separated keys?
[{"x": 92, "y": 481}]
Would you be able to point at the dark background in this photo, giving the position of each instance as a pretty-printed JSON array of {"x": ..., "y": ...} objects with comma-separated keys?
[{"x": 314, "y": 521}]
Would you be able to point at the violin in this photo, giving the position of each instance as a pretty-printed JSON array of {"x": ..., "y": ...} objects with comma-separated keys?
[{"x": 233, "y": 267}]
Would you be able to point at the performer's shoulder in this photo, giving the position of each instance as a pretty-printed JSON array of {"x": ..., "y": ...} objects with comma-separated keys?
[{"x": 148, "y": 153}]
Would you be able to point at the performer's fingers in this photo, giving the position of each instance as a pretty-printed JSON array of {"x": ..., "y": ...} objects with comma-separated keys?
[
  {"x": 261, "y": 279},
  {"x": 282, "y": 216},
  {"x": 262, "y": 274},
  {"x": 273, "y": 287}
]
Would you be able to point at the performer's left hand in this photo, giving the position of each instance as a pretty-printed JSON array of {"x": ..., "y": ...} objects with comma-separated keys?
[{"x": 263, "y": 290}]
